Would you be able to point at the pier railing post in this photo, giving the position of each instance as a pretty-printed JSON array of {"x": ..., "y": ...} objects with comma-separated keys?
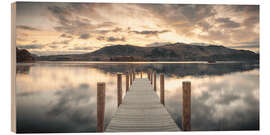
[
  {"x": 119, "y": 89},
  {"x": 155, "y": 86},
  {"x": 162, "y": 89},
  {"x": 127, "y": 81},
  {"x": 100, "y": 106},
  {"x": 186, "y": 106}
]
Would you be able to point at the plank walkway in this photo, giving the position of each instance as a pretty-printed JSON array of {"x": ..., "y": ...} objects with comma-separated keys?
[{"x": 141, "y": 111}]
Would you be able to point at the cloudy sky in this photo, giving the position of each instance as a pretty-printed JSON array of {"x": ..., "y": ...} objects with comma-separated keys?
[{"x": 64, "y": 28}]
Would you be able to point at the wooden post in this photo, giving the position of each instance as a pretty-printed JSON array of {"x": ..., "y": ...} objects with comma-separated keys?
[
  {"x": 141, "y": 74},
  {"x": 130, "y": 74},
  {"x": 119, "y": 89},
  {"x": 155, "y": 86},
  {"x": 149, "y": 74},
  {"x": 162, "y": 89},
  {"x": 127, "y": 81},
  {"x": 151, "y": 77},
  {"x": 134, "y": 75},
  {"x": 186, "y": 106},
  {"x": 100, "y": 106}
]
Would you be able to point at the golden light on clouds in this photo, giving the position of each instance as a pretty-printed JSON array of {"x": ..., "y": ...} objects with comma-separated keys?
[{"x": 63, "y": 28}]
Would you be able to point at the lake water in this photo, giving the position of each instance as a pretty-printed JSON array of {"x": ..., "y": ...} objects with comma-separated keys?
[{"x": 61, "y": 96}]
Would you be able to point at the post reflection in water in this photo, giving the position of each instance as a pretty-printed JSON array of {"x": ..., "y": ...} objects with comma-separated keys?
[{"x": 61, "y": 96}]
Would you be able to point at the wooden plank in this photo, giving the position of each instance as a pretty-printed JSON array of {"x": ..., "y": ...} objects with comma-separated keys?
[{"x": 141, "y": 111}]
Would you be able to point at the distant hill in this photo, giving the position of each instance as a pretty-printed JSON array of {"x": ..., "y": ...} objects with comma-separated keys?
[
  {"x": 170, "y": 52},
  {"x": 22, "y": 55}
]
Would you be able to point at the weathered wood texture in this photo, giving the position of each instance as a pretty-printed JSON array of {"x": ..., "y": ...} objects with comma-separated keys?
[
  {"x": 127, "y": 81},
  {"x": 100, "y": 106},
  {"x": 155, "y": 82},
  {"x": 141, "y": 111},
  {"x": 186, "y": 110},
  {"x": 151, "y": 77},
  {"x": 161, "y": 78},
  {"x": 119, "y": 89},
  {"x": 130, "y": 74},
  {"x": 134, "y": 74}
]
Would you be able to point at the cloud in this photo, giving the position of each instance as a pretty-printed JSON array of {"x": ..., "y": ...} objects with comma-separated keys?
[
  {"x": 253, "y": 44},
  {"x": 61, "y": 42},
  {"x": 149, "y": 32},
  {"x": 227, "y": 23},
  {"x": 114, "y": 39},
  {"x": 111, "y": 22},
  {"x": 100, "y": 38},
  {"x": 61, "y": 14},
  {"x": 111, "y": 39},
  {"x": 73, "y": 19},
  {"x": 244, "y": 9},
  {"x": 85, "y": 36},
  {"x": 34, "y": 41},
  {"x": 209, "y": 23},
  {"x": 101, "y": 31},
  {"x": 194, "y": 13},
  {"x": 53, "y": 46},
  {"x": 249, "y": 22},
  {"x": 173, "y": 13},
  {"x": 205, "y": 25},
  {"x": 65, "y": 35},
  {"x": 156, "y": 44},
  {"x": 30, "y": 46},
  {"x": 106, "y": 24},
  {"x": 24, "y": 27},
  {"x": 67, "y": 23},
  {"x": 117, "y": 29},
  {"x": 83, "y": 48}
]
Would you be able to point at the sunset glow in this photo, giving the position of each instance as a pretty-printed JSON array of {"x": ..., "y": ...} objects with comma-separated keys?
[{"x": 68, "y": 28}]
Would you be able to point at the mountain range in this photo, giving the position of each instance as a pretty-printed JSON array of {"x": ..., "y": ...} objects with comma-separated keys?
[{"x": 169, "y": 52}]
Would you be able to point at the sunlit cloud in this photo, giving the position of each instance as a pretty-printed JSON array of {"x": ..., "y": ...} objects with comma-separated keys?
[{"x": 63, "y": 28}]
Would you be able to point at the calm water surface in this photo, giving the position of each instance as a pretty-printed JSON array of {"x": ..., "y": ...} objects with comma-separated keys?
[{"x": 61, "y": 96}]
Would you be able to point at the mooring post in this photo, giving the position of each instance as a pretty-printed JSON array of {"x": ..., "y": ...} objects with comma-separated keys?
[
  {"x": 151, "y": 77},
  {"x": 134, "y": 74},
  {"x": 162, "y": 89},
  {"x": 155, "y": 86},
  {"x": 130, "y": 74},
  {"x": 186, "y": 106},
  {"x": 127, "y": 81},
  {"x": 119, "y": 89},
  {"x": 100, "y": 106},
  {"x": 131, "y": 77}
]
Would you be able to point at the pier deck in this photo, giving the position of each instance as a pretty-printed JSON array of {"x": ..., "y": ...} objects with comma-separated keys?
[{"x": 141, "y": 111}]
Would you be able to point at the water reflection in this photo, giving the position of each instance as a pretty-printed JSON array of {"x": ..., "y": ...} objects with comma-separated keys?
[
  {"x": 61, "y": 97},
  {"x": 228, "y": 102}
]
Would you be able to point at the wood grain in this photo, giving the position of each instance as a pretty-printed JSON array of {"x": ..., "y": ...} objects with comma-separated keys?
[{"x": 141, "y": 111}]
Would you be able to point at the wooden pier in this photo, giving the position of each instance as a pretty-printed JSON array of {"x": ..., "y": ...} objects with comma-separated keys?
[{"x": 141, "y": 109}]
